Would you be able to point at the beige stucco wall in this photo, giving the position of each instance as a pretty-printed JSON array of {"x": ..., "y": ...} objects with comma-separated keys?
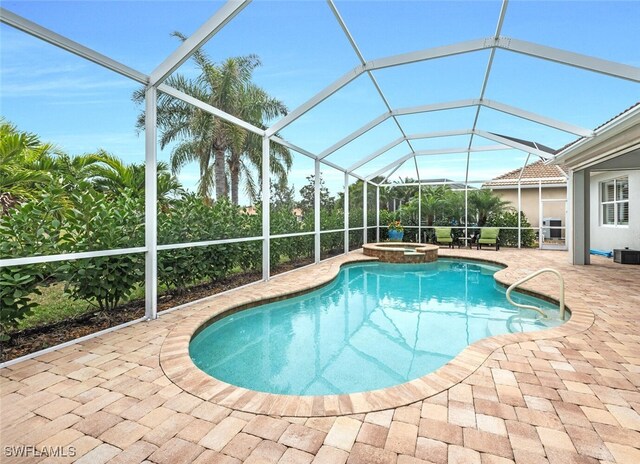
[{"x": 530, "y": 203}]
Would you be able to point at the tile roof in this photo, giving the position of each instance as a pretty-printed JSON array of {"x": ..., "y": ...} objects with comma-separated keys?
[{"x": 537, "y": 170}]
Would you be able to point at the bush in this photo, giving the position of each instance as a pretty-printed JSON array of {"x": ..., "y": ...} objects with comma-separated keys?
[
  {"x": 509, "y": 237},
  {"x": 29, "y": 229},
  {"x": 194, "y": 220},
  {"x": 98, "y": 222}
]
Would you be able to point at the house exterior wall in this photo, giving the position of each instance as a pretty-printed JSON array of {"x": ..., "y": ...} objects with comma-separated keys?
[
  {"x": 530, "y": 204},
  {"x": 610, "y": 237}
]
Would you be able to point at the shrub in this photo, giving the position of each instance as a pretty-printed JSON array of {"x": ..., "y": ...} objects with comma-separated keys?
[
  {"x": 100, "y": 223},
  {"x": 29, "y": 229},
  {"x": 509, "y": 237}
]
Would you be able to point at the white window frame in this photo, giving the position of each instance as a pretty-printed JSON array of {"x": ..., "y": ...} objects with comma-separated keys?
[{"x": 615, "y": 202}]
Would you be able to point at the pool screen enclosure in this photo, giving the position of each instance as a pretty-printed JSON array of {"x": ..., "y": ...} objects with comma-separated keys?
[{"x": 374, "y": 176}]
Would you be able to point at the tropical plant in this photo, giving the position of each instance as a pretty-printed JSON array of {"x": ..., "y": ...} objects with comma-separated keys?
[
  {"x": 433, "y": 201},
  {"x": 112, "y": 176},
  {"x": 484, "y": 203},
  {"x": 212, "y": 142},
  {"x": 18, "y": 177}
]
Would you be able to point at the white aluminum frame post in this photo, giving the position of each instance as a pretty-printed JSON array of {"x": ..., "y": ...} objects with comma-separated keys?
[
  {"x": 151, "y": 205},
  {"x": 346, "y": 212},
  {"x": 266, "y": 210}
]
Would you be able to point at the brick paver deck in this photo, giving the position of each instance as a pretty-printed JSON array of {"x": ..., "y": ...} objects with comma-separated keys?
[{"x": 570, "y": 395}]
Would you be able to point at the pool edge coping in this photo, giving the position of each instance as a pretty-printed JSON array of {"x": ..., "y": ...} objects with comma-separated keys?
[{"x": 177, "y": 365}]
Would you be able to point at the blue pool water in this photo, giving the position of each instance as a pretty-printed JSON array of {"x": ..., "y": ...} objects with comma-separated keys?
[{"x": 374, "y": 326}]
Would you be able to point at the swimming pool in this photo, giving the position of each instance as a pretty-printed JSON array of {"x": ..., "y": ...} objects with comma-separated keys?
[{"x": 376, "y": 325}]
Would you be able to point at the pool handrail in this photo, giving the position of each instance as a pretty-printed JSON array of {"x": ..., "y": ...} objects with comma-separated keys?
[{"x": 531, "y": 276}]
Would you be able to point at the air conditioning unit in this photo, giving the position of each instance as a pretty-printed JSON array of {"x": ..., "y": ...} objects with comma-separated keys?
[{"x": 548, "y": 232}]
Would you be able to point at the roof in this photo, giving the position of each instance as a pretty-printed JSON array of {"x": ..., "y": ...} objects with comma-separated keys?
[
  {"x": 448, "y": 182},
  {"x": 550, "y": 173},
  {"x": 617, "y": 116}
]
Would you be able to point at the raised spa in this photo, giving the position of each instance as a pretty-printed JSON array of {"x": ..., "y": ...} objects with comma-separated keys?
[{"x": 376, "y": 325}]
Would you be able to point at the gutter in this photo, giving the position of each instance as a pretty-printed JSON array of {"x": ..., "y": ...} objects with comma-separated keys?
[{"x": 608, "y": 131}]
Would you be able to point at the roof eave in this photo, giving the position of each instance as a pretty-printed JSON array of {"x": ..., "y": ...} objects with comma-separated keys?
[{"x": 581, "y": 154}]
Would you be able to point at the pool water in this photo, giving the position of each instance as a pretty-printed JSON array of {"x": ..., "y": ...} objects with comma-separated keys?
[{"x": 376, "y": 325}]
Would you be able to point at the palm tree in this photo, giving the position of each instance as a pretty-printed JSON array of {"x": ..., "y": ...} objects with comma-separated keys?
[
  {"x": 485, "y": 203},
  {"x": 217, "y": 145},
  {"x": 112, "y": 176},
  {"x": 433, "y": 202},
  {"x": 19, "y": 153}
]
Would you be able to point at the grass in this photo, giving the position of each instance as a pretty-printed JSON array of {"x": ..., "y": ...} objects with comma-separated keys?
[{"x": 53, "y": 306}]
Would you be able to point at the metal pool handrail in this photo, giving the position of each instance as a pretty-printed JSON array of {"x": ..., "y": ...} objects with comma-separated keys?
[{"x": 531, "y": 276}]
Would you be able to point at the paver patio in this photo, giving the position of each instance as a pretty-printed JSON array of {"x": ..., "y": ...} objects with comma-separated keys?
[{"x": 569, "y": 398}]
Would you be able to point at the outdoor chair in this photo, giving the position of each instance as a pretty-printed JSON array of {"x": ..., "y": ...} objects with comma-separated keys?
[
  {"x": 489, "y": 236},
  {"x": 443, "y": 235}
]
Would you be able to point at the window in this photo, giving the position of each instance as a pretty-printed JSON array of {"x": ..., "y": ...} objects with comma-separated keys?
[{"x": 615, "y": 202}]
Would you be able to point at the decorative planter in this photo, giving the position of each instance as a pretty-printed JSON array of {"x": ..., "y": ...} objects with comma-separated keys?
[{"x": 396, "y": 235}]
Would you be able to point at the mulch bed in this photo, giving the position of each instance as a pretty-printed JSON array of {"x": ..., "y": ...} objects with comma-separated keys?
[{"x": 38, "y": 338}]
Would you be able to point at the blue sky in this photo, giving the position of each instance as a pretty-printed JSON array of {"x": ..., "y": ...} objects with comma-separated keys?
[{"x": 82, "y": 107}]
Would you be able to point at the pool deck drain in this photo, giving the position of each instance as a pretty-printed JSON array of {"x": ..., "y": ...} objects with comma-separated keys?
[{"x": 568, "y": 394}]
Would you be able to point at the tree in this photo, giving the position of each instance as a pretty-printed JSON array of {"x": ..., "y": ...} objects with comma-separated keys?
[
  {"x": 433, "y": 202},
  {"x": 484, "y": 203},
  {"x": 308, "y": 196},
  {"x": 215, "y": 144},
  {"x": 112, "y": 176},
  {"x": 19, "y": 151}
]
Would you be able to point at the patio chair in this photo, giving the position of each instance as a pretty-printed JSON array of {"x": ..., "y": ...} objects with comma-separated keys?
[
  {"x": 443, "y": 235},
  {"x": 489, "y": 236}
]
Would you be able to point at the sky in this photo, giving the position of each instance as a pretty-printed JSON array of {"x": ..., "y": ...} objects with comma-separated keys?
[{"x": 81, "y": 107}]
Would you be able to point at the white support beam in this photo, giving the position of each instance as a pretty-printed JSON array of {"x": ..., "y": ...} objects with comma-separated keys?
[
  {"x": 519, "y": 146},
  {"x": 430, "y": 54},
  {"x": 42, "y": 33},
  {"x": 354, "y": 135},
  {"x": 433, "y": 135},
  {"x": 392, "y": 172},
  {"x": 485, "y": 81},
  {"x": 352, "y": 41},
  {"x": 498, "y": 106},
  {"x": 448, "y": 151},
  {"x": 210, "y": 109},
  {"x": 549, "y": 122},
  {"x": 396, "y": 60},
  {"x": 443, "y": 151},
  {"x": 316, "y": 210},
  {"x": 376, "y": 153},
  {"x": 419, "y": 211},
  {"x": 397, "y": 163},
  {"x": 341, "y": 169},
  {"x": 266, "y": 210},
  {"x": 68, "y": 256},
  {"x": 151, "y": 205},
  {"x": 377, "y": 213},
  {"x": 427, "y": 135},
  {"x": 315, "y": 100},
  {"x": 577, "y": 60},
  {"x": 452, "y": 105},
  {"x": 293, "y": 147},
  {"x": 345, "y": 209},
  {"x": 364, "y": 211},
  {"x": 211, "y": 27}
]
